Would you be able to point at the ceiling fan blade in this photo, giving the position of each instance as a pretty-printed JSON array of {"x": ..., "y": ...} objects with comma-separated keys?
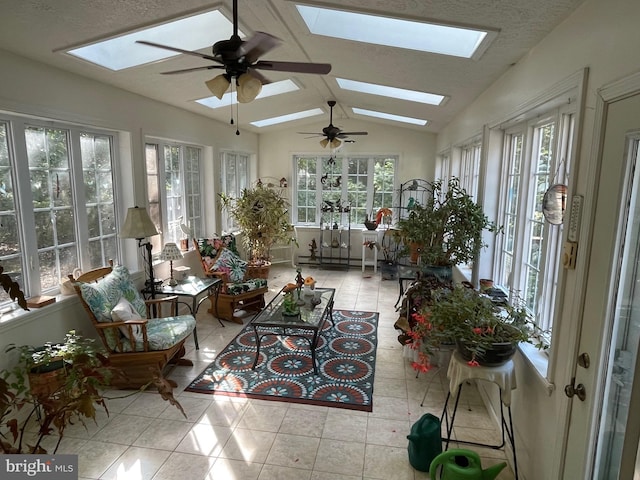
[
  {"x": 180, "y": 50},
  {"x": 298, "y": 67},
  {"x": 194, "y": 69},
  {"x": 256, "y": 74},
  {"x": 354, "y": 133},
  {"x": 259, "y": 44}
]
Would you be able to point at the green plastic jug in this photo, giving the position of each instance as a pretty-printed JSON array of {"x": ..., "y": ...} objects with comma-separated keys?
[
  {"x": 458, "y": 464},
  {"x": 424, "y": 442}
]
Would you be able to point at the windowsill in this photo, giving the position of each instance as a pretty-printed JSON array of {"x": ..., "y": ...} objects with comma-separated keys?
[
  {"x": 538, "y": 360},
  {"x": 19, "y": 317}
]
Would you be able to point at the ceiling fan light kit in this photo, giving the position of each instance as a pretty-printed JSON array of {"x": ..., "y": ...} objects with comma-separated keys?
[
  {"x": 249, "y": 87},
  {"x": 218, "y": 85}
]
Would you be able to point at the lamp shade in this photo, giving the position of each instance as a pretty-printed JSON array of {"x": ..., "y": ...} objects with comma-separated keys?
[
  {"x": 218, "y": 85},
  {"x": 138, "y": 224},
  {"x": 249, "y": 87},
  {"x": 170, "y": 252}
]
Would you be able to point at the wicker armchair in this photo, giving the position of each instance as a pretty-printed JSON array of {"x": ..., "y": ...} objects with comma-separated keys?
[
  {"x": 219, "y": 259},
  {"x": 137, "y": 344}
]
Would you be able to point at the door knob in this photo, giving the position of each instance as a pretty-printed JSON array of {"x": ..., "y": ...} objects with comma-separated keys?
[{"x": 577, "y": 390}]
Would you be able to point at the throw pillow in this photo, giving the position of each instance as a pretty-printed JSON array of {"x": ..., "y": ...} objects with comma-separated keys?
[
  {"x": 229, "y": 263},
  {"x": 124, "y": 311}
]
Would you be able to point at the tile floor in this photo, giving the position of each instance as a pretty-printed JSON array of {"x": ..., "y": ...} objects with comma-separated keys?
[{"x": 238, "y": 439}]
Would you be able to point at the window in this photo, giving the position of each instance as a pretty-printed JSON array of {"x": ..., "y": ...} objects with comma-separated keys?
[
  {"x": 66, "y": 213},
  {"x": 235, "y": 178},
  {"x": 174, "y": 190},
  {"x": 470, "y": 168},
  {"x": 536, "y": 156},
  {"x": 366, "y": 183},
  {"x": 443, "y": 167}
]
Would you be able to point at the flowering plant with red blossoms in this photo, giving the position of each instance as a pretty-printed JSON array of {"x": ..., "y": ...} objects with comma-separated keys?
[{"x": 463, "y": 315}]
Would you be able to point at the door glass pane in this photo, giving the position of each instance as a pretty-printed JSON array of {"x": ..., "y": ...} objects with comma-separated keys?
[{"x": 624, "y": 347}]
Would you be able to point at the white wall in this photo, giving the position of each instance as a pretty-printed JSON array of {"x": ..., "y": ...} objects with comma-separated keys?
[{"x": 603, "y": 36}]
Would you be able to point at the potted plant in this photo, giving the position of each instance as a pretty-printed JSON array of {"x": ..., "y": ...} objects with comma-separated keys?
[
  {"x": 59, "y": 383},
  {"x": 448, "y": 228},
  {"x": 484, "y": 331},
  {"x": 262, "y": 214}
]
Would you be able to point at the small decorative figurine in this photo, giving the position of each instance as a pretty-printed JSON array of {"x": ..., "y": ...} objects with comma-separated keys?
[
  {"x": 313, "y": 246},
  {"x": 299, "y": 283}
]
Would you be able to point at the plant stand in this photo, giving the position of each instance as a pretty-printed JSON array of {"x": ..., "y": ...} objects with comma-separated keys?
[
  {"x": 503, "y": 376},
  {"x": 370, "y": 236}
]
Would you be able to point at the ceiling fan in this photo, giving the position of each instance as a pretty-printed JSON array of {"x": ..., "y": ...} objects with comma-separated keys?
[
  {"x": 239, "y": 59},
  {"x": 333, "y": 136}
]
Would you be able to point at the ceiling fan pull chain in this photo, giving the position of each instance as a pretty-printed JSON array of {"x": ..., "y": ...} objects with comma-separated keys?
[
  {"x": 231, "y": 102},
  {"x": 238, "y": 119}
]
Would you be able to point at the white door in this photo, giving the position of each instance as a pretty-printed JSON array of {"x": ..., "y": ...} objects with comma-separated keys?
[{"x": 602, "y": 440}]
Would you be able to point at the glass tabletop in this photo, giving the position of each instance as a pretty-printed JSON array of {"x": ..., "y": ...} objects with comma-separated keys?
[
  {"x": 310, "y": 315},
  {"x": 189, "y": 286}
]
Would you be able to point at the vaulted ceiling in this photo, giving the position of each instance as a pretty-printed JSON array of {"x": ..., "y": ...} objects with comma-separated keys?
[{"x": 43, "y": 29}]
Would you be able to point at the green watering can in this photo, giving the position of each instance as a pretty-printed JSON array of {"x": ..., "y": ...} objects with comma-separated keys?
[{"x": 458, "y": 464}]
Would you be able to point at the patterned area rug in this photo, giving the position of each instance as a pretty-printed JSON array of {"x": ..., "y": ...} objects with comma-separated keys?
[{"x": 346, "y": 359}]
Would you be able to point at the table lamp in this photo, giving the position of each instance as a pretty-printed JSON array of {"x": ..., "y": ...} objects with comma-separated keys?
[
  {"x": 171, "y": 252},
  {"x": 138, "y": 225}
]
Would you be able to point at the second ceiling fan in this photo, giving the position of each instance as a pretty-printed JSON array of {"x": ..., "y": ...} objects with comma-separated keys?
[{"x": 333, "y": 136}]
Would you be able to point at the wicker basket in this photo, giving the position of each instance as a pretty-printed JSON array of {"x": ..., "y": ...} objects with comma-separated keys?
[{"x": 258, "y": 271}]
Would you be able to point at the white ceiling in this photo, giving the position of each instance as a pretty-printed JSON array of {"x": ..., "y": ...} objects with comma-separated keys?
[{"x": 42, "y": 29}]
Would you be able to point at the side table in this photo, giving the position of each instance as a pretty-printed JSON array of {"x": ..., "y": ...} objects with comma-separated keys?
[
  {"x": 370, "y": 236},
  {"x": 503, "y": 376},
  {"x": 193, "y": 288}
]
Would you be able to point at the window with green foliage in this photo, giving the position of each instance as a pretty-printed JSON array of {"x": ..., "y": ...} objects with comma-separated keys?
[
  {"x": 527, "y": 260},
  {"x": 364, "y": 182},
  {"x": 68, "y": 220},
  {"x": 235, "y": 178},
  {"x": 174, "y": 190}
]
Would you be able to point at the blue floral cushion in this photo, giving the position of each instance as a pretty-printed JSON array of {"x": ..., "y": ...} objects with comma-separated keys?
[
  {"x": 163, "y": 333},
  {"x": 231, "y": 264},
  {"x": 248, "y": 286}
]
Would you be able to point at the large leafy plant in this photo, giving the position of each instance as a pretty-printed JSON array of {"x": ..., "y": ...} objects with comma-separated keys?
[
  {"x": 448, "y": 227},
  {"x": 463, "y": 315},
  {"x": 262, "y": 214}
]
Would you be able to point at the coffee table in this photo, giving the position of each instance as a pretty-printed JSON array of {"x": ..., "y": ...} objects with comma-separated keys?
[{"x": 271, "y": 321}]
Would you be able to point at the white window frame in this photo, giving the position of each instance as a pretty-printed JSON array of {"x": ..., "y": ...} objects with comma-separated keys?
[
  {"x": 342, "y": 190},
  {"x": 233, "y": 182},
  {"x": 30, "y": 273},
  {"x": 189, "y": 211},
  {"x": 527, "y": 213},
  {"x": 470, "y": 157}
]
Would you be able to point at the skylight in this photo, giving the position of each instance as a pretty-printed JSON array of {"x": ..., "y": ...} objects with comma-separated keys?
[
  {"x": 287, "y": 118},
  {"x": 389, "y": 116},
  {"x": 192, "y": 33},
  {"x": 393, "y": 32},
  {"x": 268, "y": 90},
  {"x": 393, "y": 92}
]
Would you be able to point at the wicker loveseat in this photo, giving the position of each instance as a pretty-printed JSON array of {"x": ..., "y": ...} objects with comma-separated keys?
[{"x": 219, "y": 257}]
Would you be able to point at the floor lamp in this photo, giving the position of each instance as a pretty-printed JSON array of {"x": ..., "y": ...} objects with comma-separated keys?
[{"x": 138, "y": 225}]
